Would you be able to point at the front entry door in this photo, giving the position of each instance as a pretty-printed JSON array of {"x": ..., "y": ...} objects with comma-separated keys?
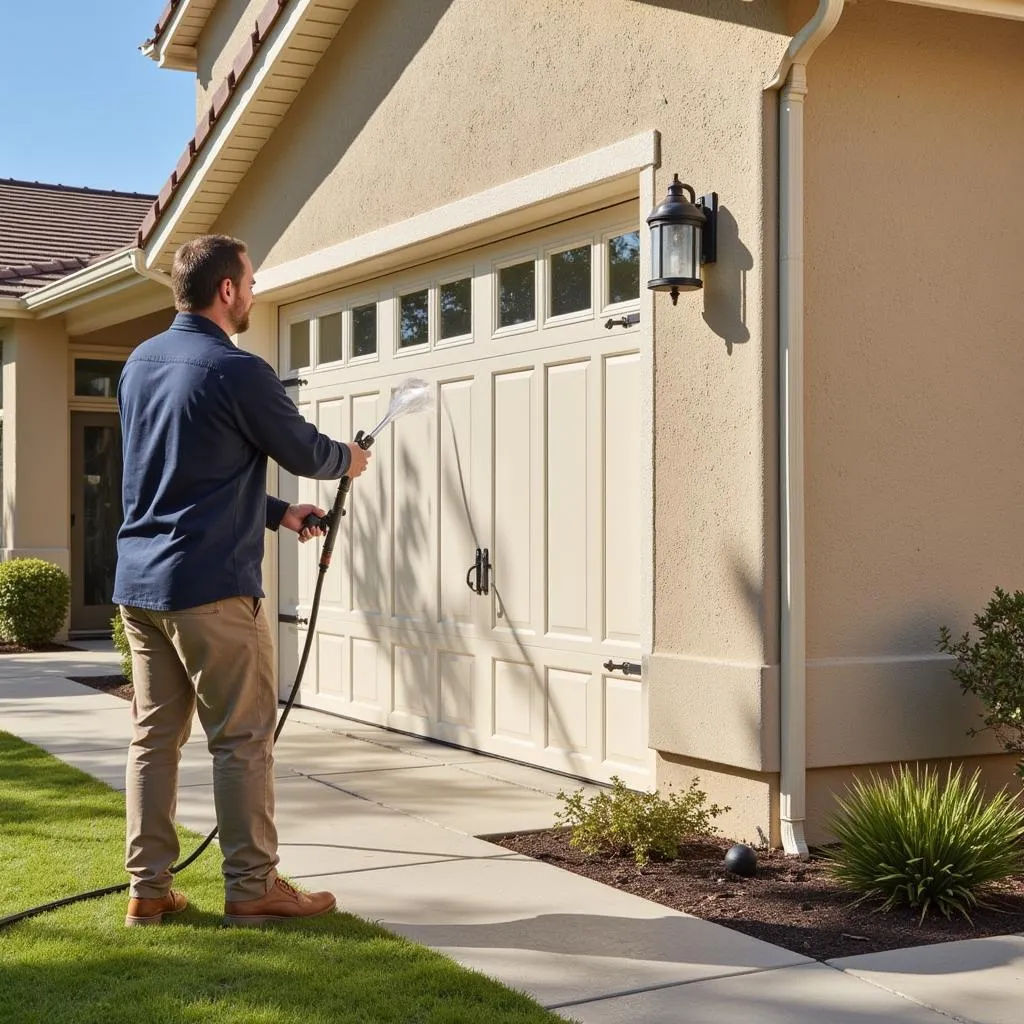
[{"x": 95, "y": 517}]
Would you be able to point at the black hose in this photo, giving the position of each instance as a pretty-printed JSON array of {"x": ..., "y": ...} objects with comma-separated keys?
[{"x": 332, "y": 521}]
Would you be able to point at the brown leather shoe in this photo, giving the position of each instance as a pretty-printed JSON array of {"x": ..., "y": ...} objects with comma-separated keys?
[
  {"x": 143, "y": 912},
  {"x": 283, "y": 903}
]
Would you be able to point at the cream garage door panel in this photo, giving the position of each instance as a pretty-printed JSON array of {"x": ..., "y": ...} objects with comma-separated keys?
[{"x": 531, "y": 454}]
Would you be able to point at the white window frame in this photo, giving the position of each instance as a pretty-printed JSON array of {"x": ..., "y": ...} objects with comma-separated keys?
[
  {"x": 527, "y": 326},
  {"x": 577, "y": 315}
]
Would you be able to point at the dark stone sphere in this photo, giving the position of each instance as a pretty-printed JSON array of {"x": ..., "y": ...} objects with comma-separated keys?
[{"x": 741, "y": 860}]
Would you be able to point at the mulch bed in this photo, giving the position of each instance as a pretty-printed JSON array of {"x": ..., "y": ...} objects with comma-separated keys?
[
  {"x": 116, "y": 685},
  {"x": 789, "y": 903}
]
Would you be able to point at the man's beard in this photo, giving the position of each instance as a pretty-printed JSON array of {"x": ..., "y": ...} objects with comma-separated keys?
[{"x": 239, "y": 320}]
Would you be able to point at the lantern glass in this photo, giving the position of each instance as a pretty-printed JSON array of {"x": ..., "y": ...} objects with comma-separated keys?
[{"x": 680, "y": 251}]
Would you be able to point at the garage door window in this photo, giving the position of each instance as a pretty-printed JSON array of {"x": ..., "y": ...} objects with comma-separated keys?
[
  {"x": 298, "y": 345},
  {"x": 570, "y": 281},
  {"x": 364, "y": 330},
  {"x": 456, "y": 304},
  {"x": 414, "y": 319},
  {"x": 329, "y": 348},
  {"x": 517, "y": 294},
  {"x": 624, "y": 267}
]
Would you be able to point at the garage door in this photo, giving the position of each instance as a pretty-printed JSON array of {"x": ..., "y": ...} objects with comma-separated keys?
[{"x": 489, "y": 566}]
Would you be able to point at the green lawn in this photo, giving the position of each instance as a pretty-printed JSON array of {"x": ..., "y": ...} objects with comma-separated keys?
[{"x": 62, "y": 832}]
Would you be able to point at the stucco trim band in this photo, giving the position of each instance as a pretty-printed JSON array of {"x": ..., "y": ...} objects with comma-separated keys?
[
  {"x": 716, "y": 711},
  {"x": 621, "y": 159},
  {"x": 873, "y": 710}
]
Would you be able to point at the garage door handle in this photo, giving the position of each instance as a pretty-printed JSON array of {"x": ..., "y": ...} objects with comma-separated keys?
[
  {"x": 627, "y": 668},
  {"x": 478, "y": 575}
]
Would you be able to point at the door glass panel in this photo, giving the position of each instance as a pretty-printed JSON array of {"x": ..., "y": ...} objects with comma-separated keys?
[
  {"x": 414, "y": 322},
  {"x": 329, "y": 350},
  {"x": 516, "y": 301},
  {"x": 624, "y": 267},
  {"x": 101, "y": 507},
  {"x": 570, "y": 280},
  {"x": 364, "y": 330},
  {"x": 298, "y": 348},
  {"x": 456, "y": 308},
  {"x": 97, "y": 378}
]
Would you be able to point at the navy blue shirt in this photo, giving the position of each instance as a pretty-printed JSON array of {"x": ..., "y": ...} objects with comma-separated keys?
[{"x": 199, "y": 418}]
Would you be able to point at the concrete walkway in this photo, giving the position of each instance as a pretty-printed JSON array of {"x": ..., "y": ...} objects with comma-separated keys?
[{"x": 389, "y": 823}]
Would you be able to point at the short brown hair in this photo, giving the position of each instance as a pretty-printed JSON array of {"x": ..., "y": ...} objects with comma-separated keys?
[{"x": 200, "y": 266}]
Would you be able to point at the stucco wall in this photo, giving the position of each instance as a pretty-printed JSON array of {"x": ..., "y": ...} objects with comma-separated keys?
[
  {"x": 128, "y": 334},
  {"x": 416, "y": 105},
  {"x": 36, "y": 507},
  {"x": 230, "y": 22},
  {"x": 914, "y": 367}
]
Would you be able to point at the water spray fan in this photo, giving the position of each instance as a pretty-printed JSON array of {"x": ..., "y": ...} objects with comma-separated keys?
[{"x": 412, "y": 395}]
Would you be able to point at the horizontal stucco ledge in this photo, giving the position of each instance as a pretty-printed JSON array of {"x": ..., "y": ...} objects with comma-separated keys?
[{"x": 719, "y": 711}]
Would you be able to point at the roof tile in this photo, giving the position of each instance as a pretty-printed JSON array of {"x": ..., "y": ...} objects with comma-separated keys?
[{"x": 49, "y": 231}]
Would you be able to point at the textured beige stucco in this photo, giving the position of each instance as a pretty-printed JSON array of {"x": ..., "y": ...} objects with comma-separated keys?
[
  {"x": 825, "y": 784},
  {"x": 914, "y": 325},
  {"x": 915, "y": 368},
  {"x": 127, "y": 334},
  {"x": 752, "y": 797},
  {"x": 229, "y": 23}
]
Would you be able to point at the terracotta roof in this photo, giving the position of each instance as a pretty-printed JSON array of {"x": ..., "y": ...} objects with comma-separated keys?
[
  {"x": 220, "y": 98},
  {"x": 49, "y": 231}
]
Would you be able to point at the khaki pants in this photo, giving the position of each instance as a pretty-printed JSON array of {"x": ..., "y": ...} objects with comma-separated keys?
[{"x": 216, "y": 658}]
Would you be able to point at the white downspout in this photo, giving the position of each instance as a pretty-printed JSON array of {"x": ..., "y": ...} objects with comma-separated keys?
[
  {"x": 139, "y": 263},
  {"x": 792, "y": 79}
]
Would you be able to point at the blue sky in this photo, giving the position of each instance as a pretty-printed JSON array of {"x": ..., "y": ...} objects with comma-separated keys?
[{"x": 81, "y": 105}]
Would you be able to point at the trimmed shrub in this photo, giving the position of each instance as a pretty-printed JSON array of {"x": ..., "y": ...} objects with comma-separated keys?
[
  {"x": 992, "y": 668},
  {"x": 121, "y": 645},
  {"x": 626, "y": 822},
  {"x": 34, "y": 599},
  {"x": 909, "y": 841}
]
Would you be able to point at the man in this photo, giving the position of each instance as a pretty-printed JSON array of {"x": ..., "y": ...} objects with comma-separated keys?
[{"x": 199, "y": 418}]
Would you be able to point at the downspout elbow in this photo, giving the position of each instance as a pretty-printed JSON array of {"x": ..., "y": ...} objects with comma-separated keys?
[{"x": 139, "y": 265}]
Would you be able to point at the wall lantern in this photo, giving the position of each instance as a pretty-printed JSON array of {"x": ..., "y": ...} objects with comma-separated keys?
[{"x": 683, "y": 236}]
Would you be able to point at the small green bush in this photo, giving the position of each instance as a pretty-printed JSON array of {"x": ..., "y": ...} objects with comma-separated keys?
[
  {"x": 909, "y": 841},
  {"x": 121, "y": 644},
  {"x": 34, "y": 598},
  {"x": 992, "y": 668},
  {"x": 626, "y": 822}
]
